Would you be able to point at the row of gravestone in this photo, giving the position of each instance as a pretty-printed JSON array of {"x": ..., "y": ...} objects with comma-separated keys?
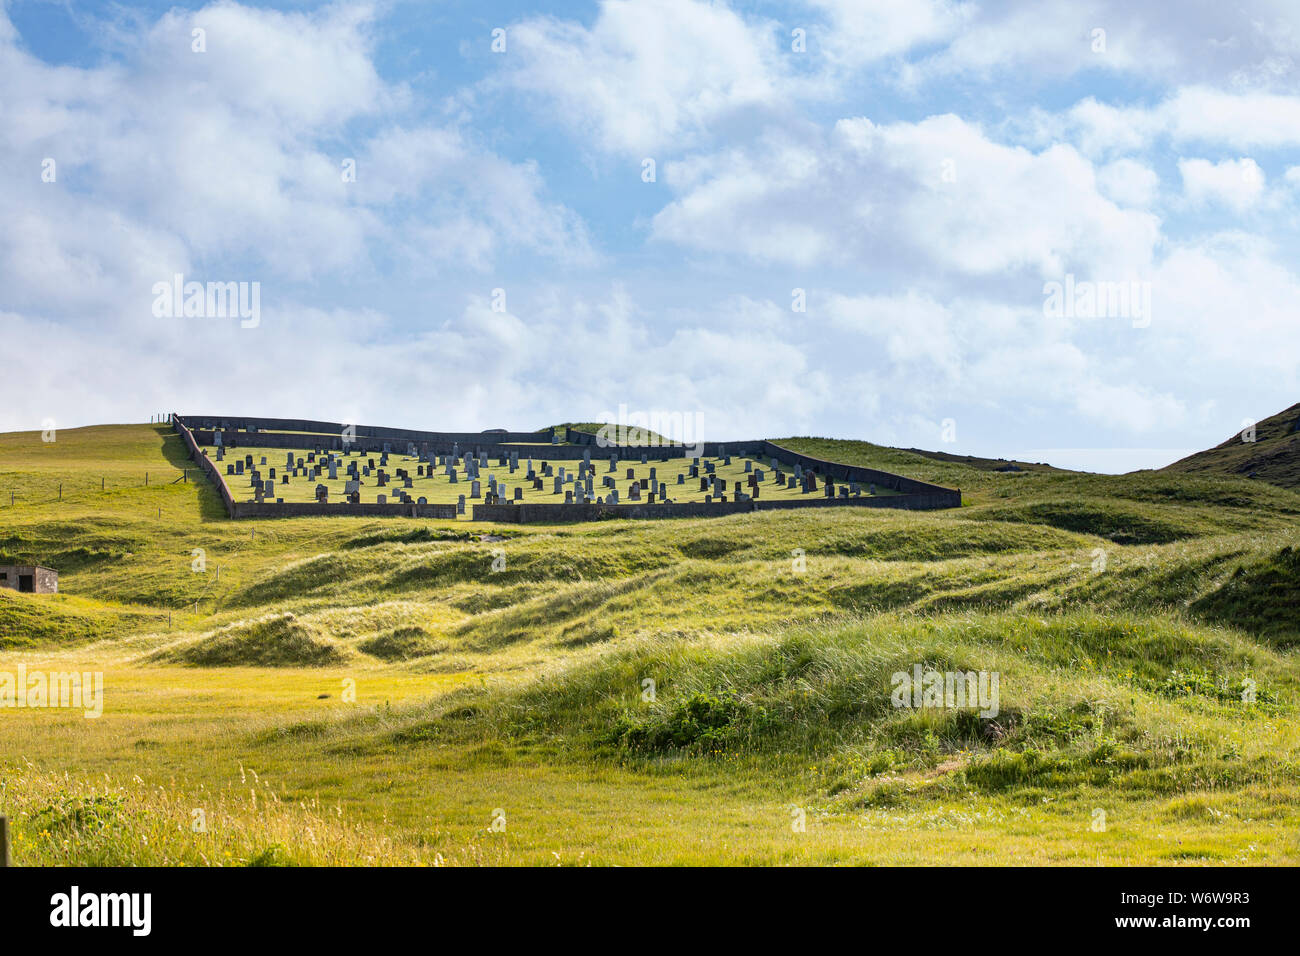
[{"x": 709, "y": 483}]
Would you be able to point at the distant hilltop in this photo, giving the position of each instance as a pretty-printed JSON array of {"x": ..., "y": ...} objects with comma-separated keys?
[{"x": 1267, "y": 451}]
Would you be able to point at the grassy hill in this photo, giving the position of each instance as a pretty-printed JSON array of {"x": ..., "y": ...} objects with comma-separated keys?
[
  {"x": 333, "y": 690},
  {"x": 1274, "y": 456}
]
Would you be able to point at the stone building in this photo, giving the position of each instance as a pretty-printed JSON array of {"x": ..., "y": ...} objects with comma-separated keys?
[{"x": 30, "y": 578}]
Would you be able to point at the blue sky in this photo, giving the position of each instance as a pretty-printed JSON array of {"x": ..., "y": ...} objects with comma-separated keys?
[{"x": 923, "y": 172}]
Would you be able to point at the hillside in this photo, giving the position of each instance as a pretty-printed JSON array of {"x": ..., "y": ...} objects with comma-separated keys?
[
  {"x": 1274, "y": 456},
  {"x": 1123, "y": 614}
]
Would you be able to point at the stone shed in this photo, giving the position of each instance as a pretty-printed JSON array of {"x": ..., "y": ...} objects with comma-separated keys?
[{"x": 31, "y": 578}]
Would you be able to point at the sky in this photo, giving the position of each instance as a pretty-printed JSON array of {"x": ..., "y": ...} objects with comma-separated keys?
[{"x": 1061, "y": 231}]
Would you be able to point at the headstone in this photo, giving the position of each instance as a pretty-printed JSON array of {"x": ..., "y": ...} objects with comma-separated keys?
[
  {"x": 381, "y": 499},
  {"x": 460, "y": 504},
  {"x": 474, "y": 489}
]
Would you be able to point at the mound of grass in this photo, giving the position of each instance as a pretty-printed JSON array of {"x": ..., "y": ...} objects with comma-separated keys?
[
  {"x": 277, "y": 640},
  {"x": 1264, "y": 593},
  {"x": 1064, "y": 683},
  {"x": 1121, "y": 524},
  {"x": 31, "y": 620},
  {"x": 401, "y": 644}
]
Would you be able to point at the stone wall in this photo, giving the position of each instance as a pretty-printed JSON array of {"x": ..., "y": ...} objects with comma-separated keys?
[
  {"x": 307, "y": 509},
  {"x": 243, "y": 423},
  {"x": 531, "y": 513},
  {"x": 206, "y": 465}
]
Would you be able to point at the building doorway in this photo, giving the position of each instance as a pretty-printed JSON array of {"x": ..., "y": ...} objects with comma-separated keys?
[{"x": 25, "y": 583}]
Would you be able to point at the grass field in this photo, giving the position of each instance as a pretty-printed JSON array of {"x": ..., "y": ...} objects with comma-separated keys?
[{"x": 348, "y": 690}]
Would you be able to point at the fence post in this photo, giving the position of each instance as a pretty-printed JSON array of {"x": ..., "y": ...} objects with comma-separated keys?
[{"x": 4, "y": 842}]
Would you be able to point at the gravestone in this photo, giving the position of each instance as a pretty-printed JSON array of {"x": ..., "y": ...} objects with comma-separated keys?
[
  {"x": 474, "y": 489},
  {"x": 460, "y": 504}
]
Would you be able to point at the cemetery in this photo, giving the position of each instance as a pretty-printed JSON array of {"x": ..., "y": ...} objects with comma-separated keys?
[{"x": 283, "y": 467}]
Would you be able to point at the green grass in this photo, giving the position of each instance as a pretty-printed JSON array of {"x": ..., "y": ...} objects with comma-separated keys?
[{"x": 372, "y": 691}]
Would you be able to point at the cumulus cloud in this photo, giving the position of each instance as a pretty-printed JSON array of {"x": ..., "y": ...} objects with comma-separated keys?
[
  {"x": 1235, "y": 183},
  {"x": 646, "y": 76},
  {"x": 916, "y": 196},
  {"x": 172, "y": 156}
]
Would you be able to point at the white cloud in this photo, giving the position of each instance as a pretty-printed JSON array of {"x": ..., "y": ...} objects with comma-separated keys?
[
  {"x": 1127, "y": 182},
  {"x": 172, "y": 157},
  {"x": 1235, "y": 183},
  {"x": 911, "y": 196},
  {"x": 645, "y": 76},
  {"x": 1251, "y": 43}
]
